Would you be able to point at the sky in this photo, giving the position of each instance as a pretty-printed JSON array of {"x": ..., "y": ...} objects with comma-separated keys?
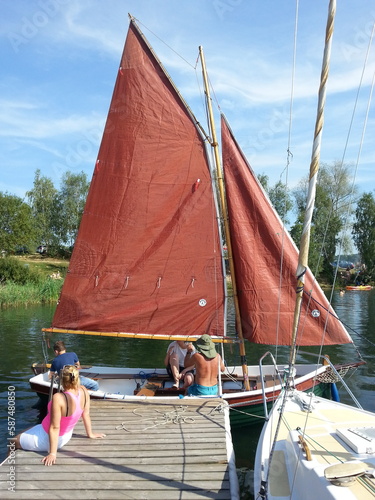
[{"x": 59, "y": 60}]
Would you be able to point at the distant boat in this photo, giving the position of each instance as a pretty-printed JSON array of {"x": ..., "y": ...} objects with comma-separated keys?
[
  {"x": 358, "y": 287},
  {"x": 148, "y": 261}
]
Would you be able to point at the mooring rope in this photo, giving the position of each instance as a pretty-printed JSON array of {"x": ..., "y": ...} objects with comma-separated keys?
[{"x": 171, "y": 417}]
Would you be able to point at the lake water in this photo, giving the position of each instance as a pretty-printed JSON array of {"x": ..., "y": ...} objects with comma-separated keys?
[{"x": 21, "y": 345}]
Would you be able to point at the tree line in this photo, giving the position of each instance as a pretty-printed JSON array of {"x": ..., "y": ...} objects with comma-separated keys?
[
  {"x": 340, "y": 218},
  {"x": 50, "y": 216},
  {"x": 47, "y": 216}
]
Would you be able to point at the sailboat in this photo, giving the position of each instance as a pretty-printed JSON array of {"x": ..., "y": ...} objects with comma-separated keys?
[
  {"x": 311, "y": 447},
  {"x": 148, "y": 261}
]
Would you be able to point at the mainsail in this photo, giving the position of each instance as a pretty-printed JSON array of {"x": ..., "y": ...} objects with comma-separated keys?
[
  {"x": 265, "y": 260},
  {"x": 147, "y": 258}
]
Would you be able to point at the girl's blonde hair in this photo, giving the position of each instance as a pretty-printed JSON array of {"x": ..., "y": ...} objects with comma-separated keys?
[{"x": 70, "y": 377}]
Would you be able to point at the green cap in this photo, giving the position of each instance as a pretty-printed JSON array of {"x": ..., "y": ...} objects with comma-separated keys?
[{"x": 205, "y": 346}]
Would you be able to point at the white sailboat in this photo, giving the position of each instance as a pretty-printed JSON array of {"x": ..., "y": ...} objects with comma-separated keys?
[
  {"x": 148, "y": 261},
  {"x": 310, "y": 447}
]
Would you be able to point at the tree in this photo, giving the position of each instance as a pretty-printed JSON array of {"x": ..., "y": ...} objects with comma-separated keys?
[
  {"x": 281, "y": 200},
  {"x": 42, "y": 199},
  {"x": 364, "y": 231},
  {"x": 17, "y": 228},
  {"x": 333, "y": 194},
  {"x": 337, "y": 181},
  {"x": 264, "y": 180},
  {"x": 279, "y": 196},
  {"x": 327, "y": 226},
  {"x": 69, "y": 206}
]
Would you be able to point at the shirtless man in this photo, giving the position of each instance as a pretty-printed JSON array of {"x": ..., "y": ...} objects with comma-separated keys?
[{"x": 207, "y": 363}]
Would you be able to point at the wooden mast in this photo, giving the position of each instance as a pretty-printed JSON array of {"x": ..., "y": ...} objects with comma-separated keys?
[
  {"x": 314, "y": 168},
  {"x": 223, "y": 204}
]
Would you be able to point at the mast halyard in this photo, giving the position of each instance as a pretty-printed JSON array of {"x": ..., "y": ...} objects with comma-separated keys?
[
  {"x": 224, "y": 212},
  {"x": 314, "y": 168}
]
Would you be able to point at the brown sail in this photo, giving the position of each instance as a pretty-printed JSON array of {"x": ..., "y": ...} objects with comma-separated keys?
[
  {"x": 265, "y": 260},
  {"x": 147, "y": 256}
]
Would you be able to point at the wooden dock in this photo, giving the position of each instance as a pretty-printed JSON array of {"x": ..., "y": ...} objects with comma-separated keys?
[{"x": 160, "y": 449}]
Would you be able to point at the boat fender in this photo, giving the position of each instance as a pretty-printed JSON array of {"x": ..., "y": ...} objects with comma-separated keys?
[{"x": 335, "y": 393}]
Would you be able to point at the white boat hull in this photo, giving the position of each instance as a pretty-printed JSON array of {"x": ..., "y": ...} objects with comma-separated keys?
[
  {"x": 330, "y": 434},
  {"x": 126, "y": 384}
]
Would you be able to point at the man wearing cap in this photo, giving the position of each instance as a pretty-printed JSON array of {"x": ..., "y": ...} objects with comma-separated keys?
[{"x": 207, "y": 363}]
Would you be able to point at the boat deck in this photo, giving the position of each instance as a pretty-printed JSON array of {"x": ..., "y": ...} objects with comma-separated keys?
[
  {"x": 162, "y": 449},
  {"x": 325, "y": 446}
]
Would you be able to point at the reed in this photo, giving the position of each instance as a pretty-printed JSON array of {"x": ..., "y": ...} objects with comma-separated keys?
[
  {"x": 13, "y": 294},
  {"x": 21, "y": 284}
]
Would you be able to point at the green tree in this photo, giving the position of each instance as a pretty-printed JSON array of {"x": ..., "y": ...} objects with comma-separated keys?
[
  {"x": 17, "y": 228},
  {"x": 364, "y": 231},
  {"x": 69, "y": 206},
  {"x": 337, "y": 181},
  {"x": 281, "y": 200},
  {"x": 42, "y": 199},
  {"x": 327, "y": 227},
  {"x": 333, "y": 194},
  {"x": 279, "y": 197},
  {"x": 264, "y": 181}
]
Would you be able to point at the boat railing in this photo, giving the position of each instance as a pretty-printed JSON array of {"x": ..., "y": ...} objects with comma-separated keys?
[
  {"x": 57, "y": 379},
  {"x": 268, "y": 353},
  {"x": 52, "y": 380},
  {"x": 328, "y": 361}
]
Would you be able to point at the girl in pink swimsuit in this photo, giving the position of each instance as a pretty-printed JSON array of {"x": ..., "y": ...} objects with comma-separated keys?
[{"x": 64, "y": 411}]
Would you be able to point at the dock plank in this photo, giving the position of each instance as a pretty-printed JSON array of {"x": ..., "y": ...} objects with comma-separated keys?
[{"x": 159, "y": 449}]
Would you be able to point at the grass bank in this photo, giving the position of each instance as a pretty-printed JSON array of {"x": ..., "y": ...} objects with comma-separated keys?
[{"x": 30, "y": 280}]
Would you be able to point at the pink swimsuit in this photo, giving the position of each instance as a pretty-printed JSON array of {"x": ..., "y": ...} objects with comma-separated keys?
[{"x": 66, "y": 423}]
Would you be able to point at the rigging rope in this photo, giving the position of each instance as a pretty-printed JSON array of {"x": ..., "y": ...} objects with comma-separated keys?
[
  {"x": 314, "y": 167},
  {"x": 286, "y": 170},
  {"x": 352, "y": 192},
  {"x": 162, "y": 41},
  {"x": 171, "y": 417},
  {"x": 305, "y": 238}
]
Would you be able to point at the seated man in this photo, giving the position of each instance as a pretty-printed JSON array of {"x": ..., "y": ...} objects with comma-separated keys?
[
  {"x": 175, "y": 363},
  {"x": 69, "y": 358},
  {"x": 207, "y": 363}
]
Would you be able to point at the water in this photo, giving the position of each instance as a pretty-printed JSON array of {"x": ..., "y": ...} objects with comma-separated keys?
[{"x": 20, "y": 334}]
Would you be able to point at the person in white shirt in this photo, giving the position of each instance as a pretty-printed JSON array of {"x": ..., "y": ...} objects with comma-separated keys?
[{"x": 175, "y": 363}]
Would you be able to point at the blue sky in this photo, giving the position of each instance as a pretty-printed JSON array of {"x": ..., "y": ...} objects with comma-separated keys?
[{"x": 60, "y": 59}]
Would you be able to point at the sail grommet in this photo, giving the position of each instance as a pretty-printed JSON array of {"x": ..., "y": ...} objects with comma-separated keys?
[
  {"x": 315, "y": 313},
  {"x": 202, "y": 302}
]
